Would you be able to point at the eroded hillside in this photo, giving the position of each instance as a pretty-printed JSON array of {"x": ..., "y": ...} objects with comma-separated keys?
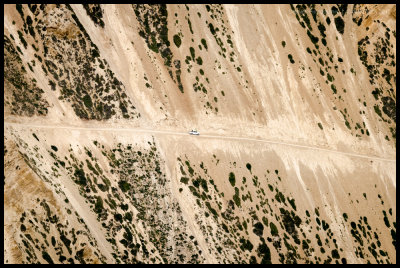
[{"x": 295, "y": 162}]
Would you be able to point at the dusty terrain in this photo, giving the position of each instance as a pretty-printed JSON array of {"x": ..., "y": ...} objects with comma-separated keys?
[{"x": 296, "y": 109}]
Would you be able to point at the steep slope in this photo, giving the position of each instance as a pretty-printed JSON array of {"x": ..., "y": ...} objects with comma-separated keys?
[{"x": 297, "y": 104}]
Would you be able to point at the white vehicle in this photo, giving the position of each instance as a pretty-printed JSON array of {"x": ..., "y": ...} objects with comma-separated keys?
[{"x": 194, "y": 132}]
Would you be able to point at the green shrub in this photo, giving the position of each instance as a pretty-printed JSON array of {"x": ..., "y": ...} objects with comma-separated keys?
[
  {"x": 377, "y": 110},
  {"x": 21, "y": 37},
  {"x": 258, "y": 229},
  {"x": 81, "y": 177},
  {"x": 184, "y": 180},
  {"x": 194, "y": 191},
  {"x": 102, "y": 187},
  {"x": 118, "y": 217},
  {"x": 292, "y": 203},
  {"x": 191, "y": 171},
  {"x": 385, "y": 219},
  {"x": 339, "y": 23},
  {"x": 203, "y": 41},
  {"x": 203, "y": 184},
  {"x": 333, "y": 87},
  {"x": 212, "y": 210},
  {"x": 95, "y": 53},
  {"x": 291, "y": 58},
  {"x": 177, "y": 40},
  {"x": 232, "y": 179},
  {"x": 47, "y": 257},
  {"x": 66, "y": 242},
  {"x": 20, "y": 11},
  {"x": 199, "y": 61},
  {"x": 264, "y": 252},
  {"x": 34, "y": 135},
  {"x": 280, "y": 197},
  {"x": 313, "y": 38},
  {"x": 248, "y": 166},
  {"x": 212, "y": 30},
  {"x": 87, "y": 101},
  {"x": 265, "y": 221},
  {"x": 347, "y": 124},
  {"x": 274, "y": 230},
  {"x": 253, "y": 260},
  {"x": 247, "y": 245},
  {"x": 335, "y": 254},
  {"x": 98, "y": 207},
  {"x": 125, "y": 186},
  {"x": 192, "y": 53},
  {"x": 196, "y": 183},
  {"x": 236, "y": 197},
  {"x": 271, "y": 188}
]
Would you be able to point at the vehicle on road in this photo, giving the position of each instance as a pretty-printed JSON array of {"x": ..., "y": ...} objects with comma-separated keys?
[{"x": 194, "y": 132}]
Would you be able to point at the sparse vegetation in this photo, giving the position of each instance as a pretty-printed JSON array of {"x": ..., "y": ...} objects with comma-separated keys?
[
  {"x": 95, "y": 12},
  {"x": 150, "y": 207}
]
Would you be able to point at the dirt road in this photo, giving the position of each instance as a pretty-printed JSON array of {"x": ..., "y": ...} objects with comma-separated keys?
[{"x": 201, "y": 136}]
